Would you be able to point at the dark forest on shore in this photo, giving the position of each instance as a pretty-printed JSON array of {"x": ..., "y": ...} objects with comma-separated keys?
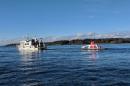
[{"x": 85, "y": 41}]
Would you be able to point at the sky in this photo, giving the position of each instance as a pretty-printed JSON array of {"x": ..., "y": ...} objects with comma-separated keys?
[{"x": 19, "y": 18}]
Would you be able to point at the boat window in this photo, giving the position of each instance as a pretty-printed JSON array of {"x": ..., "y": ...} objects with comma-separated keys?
[{"x": 26, "y": 43}]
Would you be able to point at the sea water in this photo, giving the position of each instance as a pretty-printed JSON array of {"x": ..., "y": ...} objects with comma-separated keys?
[{"x": 66, "y": 65}]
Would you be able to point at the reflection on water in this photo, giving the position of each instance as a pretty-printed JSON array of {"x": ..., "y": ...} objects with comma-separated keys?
[
  {"x": 91, "y": 54},
  {"x": 30, "y": 66},
  {"x": 65, "y": 66},
  {"x": 29, "y": 54},
  {"x": 94, "y": 54},
  {"x": 30, "y": 58}
]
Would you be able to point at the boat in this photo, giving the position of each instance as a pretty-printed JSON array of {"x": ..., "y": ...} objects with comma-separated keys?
[
  {"x": 92, "y": 46},
  {"x": 32, "y": 45}
]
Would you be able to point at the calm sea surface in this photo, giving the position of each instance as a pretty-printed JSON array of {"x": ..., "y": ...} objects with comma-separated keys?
[{"x": 66, "y": 66}]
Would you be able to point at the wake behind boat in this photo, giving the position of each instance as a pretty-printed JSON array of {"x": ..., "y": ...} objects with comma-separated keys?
[{"x": 32, "y": 45}]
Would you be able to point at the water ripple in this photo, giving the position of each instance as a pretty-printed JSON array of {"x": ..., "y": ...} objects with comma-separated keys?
[{"x": 65, "y": 66}]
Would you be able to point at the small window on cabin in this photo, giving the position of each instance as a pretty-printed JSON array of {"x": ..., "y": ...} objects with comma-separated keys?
[{"x": 26, "y": 43}]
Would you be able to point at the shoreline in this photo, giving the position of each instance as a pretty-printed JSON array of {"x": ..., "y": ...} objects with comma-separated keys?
[{"x": 83, "y": 41}]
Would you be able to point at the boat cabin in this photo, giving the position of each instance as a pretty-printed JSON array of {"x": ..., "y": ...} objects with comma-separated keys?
[{"x": 33, "y": 44}]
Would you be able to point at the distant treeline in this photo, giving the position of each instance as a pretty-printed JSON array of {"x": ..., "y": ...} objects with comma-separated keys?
[{"x": 85, "y": 41}]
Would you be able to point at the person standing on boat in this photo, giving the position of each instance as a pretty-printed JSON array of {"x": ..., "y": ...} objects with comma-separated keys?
[
  {"x": 33, "y": 42},
  {"x": 41, "y": 44},
  {"x": 93, "y": 45},
  {"x": 37, "y": 43}
]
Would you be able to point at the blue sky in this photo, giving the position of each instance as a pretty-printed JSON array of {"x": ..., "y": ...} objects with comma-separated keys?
[{"x": 20, "y": 18}]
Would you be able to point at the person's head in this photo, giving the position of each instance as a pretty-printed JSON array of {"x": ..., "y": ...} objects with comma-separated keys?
[{"x": 92, "y": 42}]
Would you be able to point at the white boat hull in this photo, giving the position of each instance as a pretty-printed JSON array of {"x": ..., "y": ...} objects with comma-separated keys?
[
  {"x": 30, "y": 48},
  {"x": 27, "y": 48},
  {"x": 86, "y": 47}
]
